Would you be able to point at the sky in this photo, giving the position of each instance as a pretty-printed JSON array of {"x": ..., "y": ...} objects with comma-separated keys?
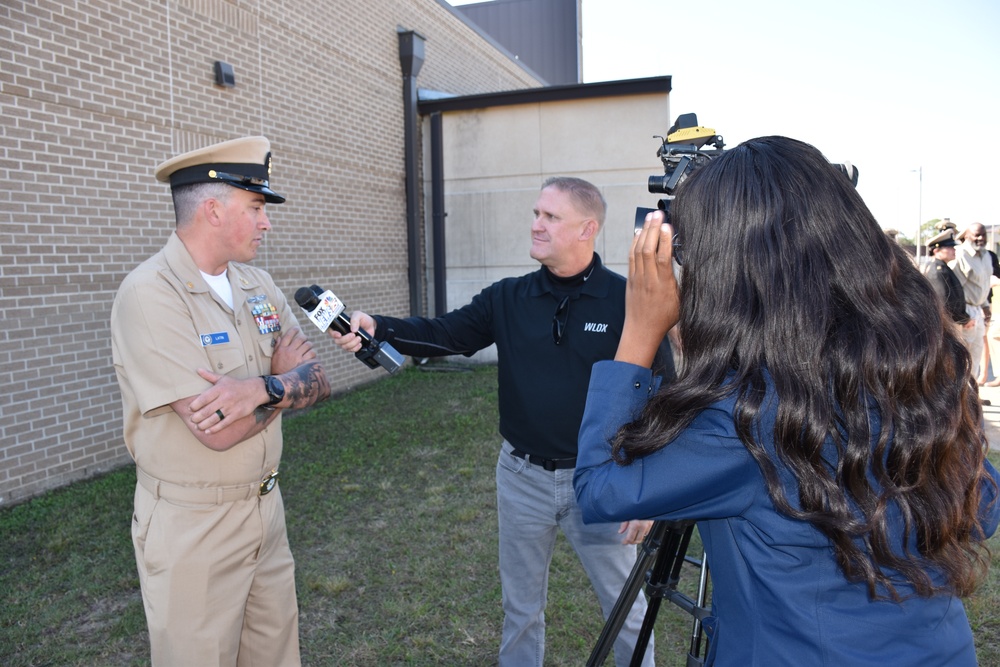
[{"x": 906, "y": 90}]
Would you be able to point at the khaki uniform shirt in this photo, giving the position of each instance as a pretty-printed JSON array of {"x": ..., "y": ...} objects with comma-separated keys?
[
  {"x": 166, "y": 323},
  {"x": 973, "y": 268}
]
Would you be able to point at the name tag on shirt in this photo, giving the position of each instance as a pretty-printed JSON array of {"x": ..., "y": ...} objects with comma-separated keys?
[{"x": 214, "y": 338}]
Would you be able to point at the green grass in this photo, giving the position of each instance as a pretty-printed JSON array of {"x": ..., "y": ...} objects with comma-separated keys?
[{"x": 391, "y": 512}]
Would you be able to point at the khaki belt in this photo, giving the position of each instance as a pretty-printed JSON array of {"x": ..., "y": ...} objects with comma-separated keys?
[{"x": 205, "y": 495}]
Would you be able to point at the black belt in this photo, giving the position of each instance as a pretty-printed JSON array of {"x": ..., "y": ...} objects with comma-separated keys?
[{"x": 548, "y": 464}]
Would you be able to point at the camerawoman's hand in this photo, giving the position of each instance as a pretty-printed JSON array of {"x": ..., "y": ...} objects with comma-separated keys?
[
  {"x": 652, "y": 299},
  {"x": 634, "y": 532}
]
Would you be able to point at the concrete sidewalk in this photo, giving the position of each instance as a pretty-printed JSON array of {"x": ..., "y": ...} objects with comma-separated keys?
[{"x": 991, "y": 413}]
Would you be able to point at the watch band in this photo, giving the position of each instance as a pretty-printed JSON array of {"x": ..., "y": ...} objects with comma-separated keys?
[{"x": 275, "y": 389}]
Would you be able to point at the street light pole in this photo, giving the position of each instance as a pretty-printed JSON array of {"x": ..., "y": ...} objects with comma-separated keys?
[{"x": 920, "y": 208}]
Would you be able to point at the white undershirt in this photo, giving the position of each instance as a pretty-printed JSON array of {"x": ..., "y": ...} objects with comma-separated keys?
[{"x": 220, "y": 285}]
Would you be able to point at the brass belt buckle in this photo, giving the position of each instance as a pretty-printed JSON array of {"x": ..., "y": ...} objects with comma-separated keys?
[{"x": 268, "y": 483}]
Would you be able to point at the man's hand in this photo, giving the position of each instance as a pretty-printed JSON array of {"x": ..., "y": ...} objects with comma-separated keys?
[
  {"x": 352, "y": 342},
  {"x": 291, "y": 350},
  {"x": 635, "y": 531},
  {"x": 232, "y": 399}
]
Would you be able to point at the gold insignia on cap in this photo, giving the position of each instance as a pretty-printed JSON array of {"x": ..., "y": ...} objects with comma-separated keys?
[{"x": 243, "y": 163}]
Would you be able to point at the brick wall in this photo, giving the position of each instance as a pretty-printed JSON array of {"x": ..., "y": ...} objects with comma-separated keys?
[{"x": 95, "y": 93}]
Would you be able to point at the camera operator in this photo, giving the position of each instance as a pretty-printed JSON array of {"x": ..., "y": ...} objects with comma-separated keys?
[
  {"x": 825, "y": 432},
  {"x": 549, "y": 327}
]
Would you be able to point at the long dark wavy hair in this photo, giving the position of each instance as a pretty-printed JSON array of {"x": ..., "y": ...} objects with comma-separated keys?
[{"x": 787, "y": 277}]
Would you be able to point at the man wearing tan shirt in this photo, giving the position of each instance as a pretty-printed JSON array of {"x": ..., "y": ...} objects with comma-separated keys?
[
  {"x": 974, "y": 267},
  {"x": 208, "y": 353}
]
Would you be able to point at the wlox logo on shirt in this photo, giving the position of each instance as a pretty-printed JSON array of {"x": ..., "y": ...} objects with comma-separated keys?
[{"x": 596, "y": 327}]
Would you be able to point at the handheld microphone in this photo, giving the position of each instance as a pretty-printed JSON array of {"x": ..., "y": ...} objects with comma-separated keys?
[{"x": 325, "y": 310}]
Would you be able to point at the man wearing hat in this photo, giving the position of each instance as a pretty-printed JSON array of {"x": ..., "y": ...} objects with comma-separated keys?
[
  {"x": 942, "y": 250},
  {"x": 208, "y": 353}
]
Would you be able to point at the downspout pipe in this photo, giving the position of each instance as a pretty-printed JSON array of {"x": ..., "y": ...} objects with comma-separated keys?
[
  {"x": 438, "y": 215},
  {"x": 411, "y": 58}
]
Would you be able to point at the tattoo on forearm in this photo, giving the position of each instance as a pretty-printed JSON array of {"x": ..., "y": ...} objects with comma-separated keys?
[
  {"x": 307, "y": 385},
  {"x": 262, "y": 413}
]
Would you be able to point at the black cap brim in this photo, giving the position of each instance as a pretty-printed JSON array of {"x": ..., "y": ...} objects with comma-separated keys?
[{"x": 270, "y": 196}]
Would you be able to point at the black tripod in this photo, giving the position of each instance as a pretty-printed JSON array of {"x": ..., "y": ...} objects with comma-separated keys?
[{"x": 659, "y": 564}]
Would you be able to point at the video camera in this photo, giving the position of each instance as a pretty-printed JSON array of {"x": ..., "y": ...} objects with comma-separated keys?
[
  {"x": 681, "y": 154},
  {"x": 687, "y": 148}
]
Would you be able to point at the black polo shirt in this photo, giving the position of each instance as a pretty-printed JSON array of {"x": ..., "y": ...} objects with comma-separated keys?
[{"x": 542, "y": 386}]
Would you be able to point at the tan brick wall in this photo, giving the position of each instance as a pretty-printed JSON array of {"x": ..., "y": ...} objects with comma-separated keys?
[{"x": 95, "y": 93}]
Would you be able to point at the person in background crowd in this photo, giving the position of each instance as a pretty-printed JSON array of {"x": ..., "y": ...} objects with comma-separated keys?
[
  {"x": 946, "y": 285},
  {"x": 991, "y": 350},
  {"x": 973, "y": 266}
]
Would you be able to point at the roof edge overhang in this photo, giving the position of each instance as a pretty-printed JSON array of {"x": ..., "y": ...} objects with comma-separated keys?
[{"x": 575, "y": 91}]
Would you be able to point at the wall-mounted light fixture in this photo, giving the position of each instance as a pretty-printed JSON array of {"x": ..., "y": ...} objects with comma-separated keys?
[{"x": 224, "y": 75}]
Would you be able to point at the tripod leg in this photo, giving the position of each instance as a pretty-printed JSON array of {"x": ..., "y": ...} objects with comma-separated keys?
[
  {"x": 663, "y": 575},
  {"x": 659, "y": 563},
  {"x": 633, "y": 585},
  {"x": 696, "y": 629}
]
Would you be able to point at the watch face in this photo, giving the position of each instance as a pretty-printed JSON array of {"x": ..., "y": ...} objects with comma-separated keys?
[{"x": 275, "y": 389}]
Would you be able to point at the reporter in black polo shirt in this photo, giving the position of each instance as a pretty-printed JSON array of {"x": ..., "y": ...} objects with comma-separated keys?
[{"x": 549, "y": 327}]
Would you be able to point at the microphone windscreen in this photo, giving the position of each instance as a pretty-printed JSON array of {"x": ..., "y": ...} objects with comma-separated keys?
[{"x": 307, "y": 298}]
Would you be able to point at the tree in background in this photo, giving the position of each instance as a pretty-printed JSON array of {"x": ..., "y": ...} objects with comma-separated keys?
[{"x": 927, "y": 230}]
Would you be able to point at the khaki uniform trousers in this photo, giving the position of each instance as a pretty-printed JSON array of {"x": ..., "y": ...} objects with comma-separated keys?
[
  {"x": 993, "y": 336},
  {"x": 975, "y": 338},
  {"x": 218, "y": 581}
]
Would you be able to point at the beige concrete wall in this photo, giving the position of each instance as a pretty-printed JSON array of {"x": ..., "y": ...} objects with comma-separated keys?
[{"x": 496, "y": 159}]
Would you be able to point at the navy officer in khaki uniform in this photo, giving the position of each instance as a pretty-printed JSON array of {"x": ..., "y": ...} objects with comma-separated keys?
[
  {"x": 208, "y": 354},
  {"x": 944, "y": 281}
]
